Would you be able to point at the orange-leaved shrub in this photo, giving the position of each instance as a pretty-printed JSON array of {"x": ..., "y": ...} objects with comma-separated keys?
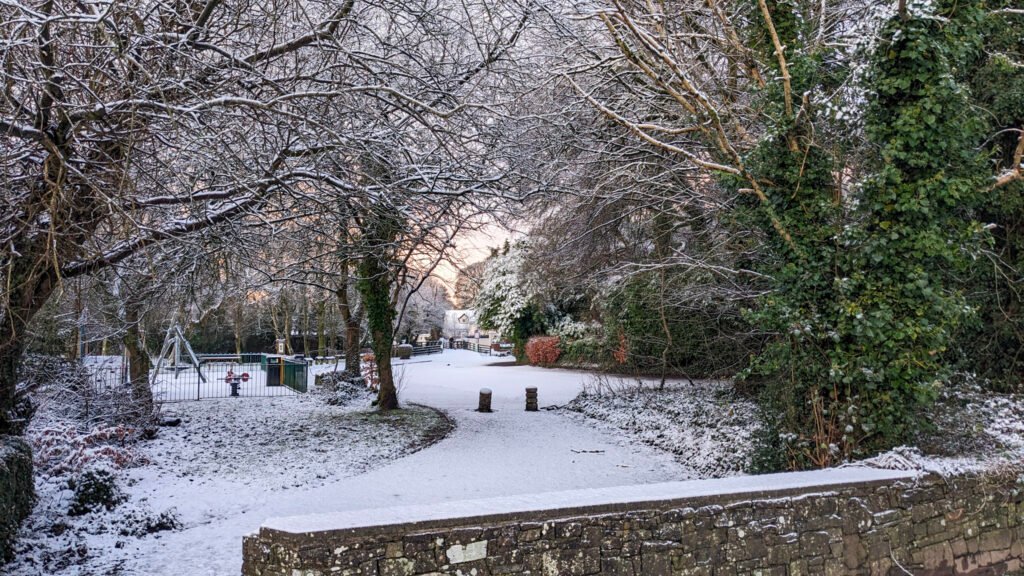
[
  {"x": 543, "y": 350},
  {"x": 621, "y": 352}
]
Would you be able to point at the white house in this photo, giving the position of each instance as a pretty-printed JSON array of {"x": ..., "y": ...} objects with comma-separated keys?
[{"x": 461, "y": 324}]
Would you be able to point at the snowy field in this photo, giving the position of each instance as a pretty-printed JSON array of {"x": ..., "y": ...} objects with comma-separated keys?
[
  {"x": 226, "y": 456},
  {"x": 233, "y": 463}
]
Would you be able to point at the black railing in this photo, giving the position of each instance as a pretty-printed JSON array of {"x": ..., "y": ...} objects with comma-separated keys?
[
  {"x": 428, "y": 348},
  {"x": 224, "y": 376},
  {"x": 217, "y": 376},
  {"x": 483, "y": 346}
]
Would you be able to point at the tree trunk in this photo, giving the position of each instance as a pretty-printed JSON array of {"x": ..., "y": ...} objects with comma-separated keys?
[
  {"x": 138, "y": 363},
  {"x": 663, "y": 227},
  {"x": 321, "y": 322},
  {"x": 288, "y": 330},
  {"x": 353, "y": 339},
  {"x": 31, "y": 283},
  {"x": 375, "y": 289},
  {"x": 76, "y": 354},
  {"x": 288, "y": 333},
  {"x": 305, "y": 324},
  {"x": 387, "y": 394},
  {"x": 237, "y": 321},
  {"x": 11, "y": 347},
  {"x": 351, "y": 321},
  {"x": 274, "y": 325},
  {"x": 332, "y": 333}
]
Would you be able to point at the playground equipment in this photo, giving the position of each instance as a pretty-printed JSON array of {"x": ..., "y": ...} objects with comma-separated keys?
[
  {"x": 178, "y": 352},
  {"x": 222, "y": 375}
]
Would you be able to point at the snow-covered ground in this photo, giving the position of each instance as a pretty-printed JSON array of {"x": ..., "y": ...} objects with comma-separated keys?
[
  {"x": 711, "y": 428},
  {"x": 972, "y": 430},
  {"x": 225, "y": 456},
  {"x": 706, "y": 424},
  {"x": 235, "y": 463},
  {"x": 220, "y": 491}
]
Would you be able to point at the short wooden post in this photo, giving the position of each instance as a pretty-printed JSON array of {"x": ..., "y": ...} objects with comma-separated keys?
[
  {"x": 485, "y": 400},
  {"x": 531, "y": 399}
]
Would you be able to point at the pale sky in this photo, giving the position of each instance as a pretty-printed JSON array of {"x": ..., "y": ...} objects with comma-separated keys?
[{"x": 471, "y": 247}]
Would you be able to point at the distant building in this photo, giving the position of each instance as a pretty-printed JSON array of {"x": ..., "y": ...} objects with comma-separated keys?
[
  {"x": 459, "y": 324},
  {"x": 463, "y": 324}
]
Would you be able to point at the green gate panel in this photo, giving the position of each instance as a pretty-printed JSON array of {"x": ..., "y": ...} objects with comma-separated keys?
[{"x": 295, "y": 375}]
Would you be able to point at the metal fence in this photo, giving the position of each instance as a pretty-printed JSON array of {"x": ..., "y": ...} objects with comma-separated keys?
[
  {"x": 217, "y": 376},
  {"x": 428, "y": 348},
  {"x": 481, "y": 345},
  {"x": 229, "y": 375},
  {"x": 484, "y": 346},
  {"x": 106, "y": 373}
]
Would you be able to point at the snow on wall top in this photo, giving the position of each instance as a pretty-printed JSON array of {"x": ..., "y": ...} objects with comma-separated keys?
[{"x": 592, "y": 497}]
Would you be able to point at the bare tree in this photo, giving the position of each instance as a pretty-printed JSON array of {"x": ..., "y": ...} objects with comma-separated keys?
[
  {"x": 131, "y": 123},
  {"x": 128, "y": 124}
]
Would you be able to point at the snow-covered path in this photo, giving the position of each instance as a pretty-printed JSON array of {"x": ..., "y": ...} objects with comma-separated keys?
[{"x": 507, "y": 452}]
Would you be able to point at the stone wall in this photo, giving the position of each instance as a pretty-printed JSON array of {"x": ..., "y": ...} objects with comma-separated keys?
[
  {"x": 922, "y": 525},
  {"x": 16, "y": 492}
]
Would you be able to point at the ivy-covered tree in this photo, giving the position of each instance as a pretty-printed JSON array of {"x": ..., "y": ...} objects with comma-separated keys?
[
  {"x": 899, "y": 306},
  {"x": 992, "y": 344},
  {"x": 862, "y": 300},
  {"x": 803, "y": 196},
  {"x": 380, "y": 229}
]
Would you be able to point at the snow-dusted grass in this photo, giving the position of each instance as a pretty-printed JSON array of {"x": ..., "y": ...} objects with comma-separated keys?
[
  {"x": 223, "y": 457},
  {"x": 1005, "y": 421},
  {"x": 968, "y": 419},
  {"x": 710, "y": 428},
  {"x": 705, "y": 424},
  {"x": 297, "y": 442},
  {"x": 972, "y": 431}
]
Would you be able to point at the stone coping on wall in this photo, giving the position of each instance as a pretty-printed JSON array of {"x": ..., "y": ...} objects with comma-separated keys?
[{"x": 525, "y": 507}]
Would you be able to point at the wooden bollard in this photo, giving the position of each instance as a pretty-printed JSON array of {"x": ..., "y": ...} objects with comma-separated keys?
[
  {"x": 531, "y": 399},
  {"x": 485, "y": 400}
]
